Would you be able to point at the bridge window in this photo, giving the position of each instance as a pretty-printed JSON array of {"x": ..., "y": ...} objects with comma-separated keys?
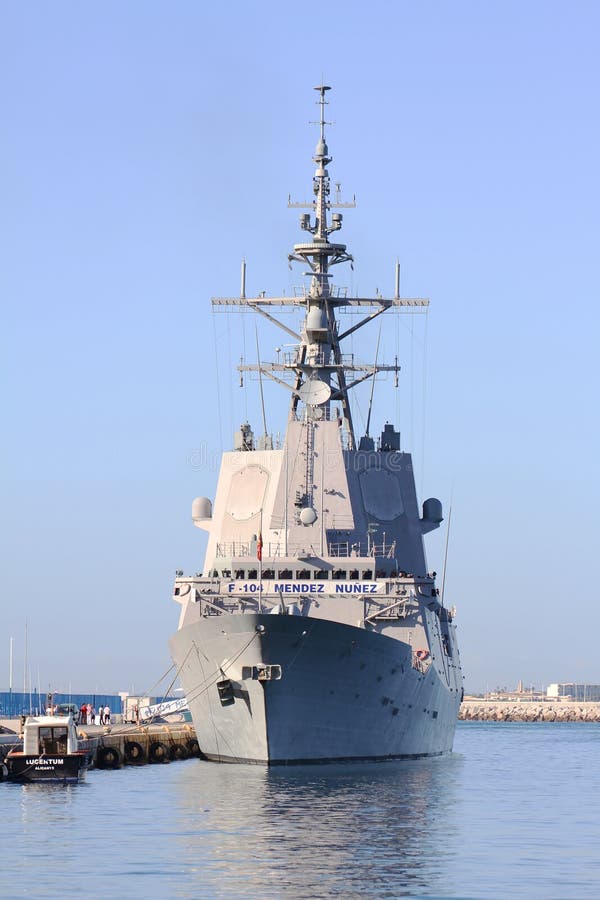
[
  {"x": 354, "y": 573},
  {"x": 268, "y": 574},
  {"x": 303, "y": 574},
  {"x": 339, "y": 575},
  {"x": 367, "y": 574},
  {"x": 285, "y": 573},
  {"x": 321, "y": 575}
]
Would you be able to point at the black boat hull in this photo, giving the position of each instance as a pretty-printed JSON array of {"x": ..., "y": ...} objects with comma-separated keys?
[{"x": 61, "y": 769}]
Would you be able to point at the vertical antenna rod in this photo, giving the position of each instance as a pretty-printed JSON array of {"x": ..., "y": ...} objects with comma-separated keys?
[
  {"x": 10, "y": 678},
  {"x": 373, "y": 383},
  {"x": 322, "y": 102},
  {"x": 262, "y": 396},
  {"x": 321, "y": 188}
]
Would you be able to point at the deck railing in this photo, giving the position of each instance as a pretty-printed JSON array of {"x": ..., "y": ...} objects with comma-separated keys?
[{"x": 274, "y": 550}]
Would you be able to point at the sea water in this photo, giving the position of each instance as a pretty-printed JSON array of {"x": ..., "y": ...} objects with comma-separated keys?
[{"x": 513, "y": 812}]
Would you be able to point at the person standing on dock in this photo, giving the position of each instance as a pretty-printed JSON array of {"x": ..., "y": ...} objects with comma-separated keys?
[
  {"x": 83, "y": 714},
  {"x": 107, "y": 715},
  {"x": 93, "y": 715}
]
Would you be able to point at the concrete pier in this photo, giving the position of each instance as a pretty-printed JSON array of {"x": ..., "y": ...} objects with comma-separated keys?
[
  {"x": 137, "y": 745},
  {"x": 527, "y": 711},
  {"x": 127, "y": 745}
]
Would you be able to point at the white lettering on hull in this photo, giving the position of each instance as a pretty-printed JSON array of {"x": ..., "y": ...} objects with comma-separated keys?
[
  {"x": 305, "y": 587},
  {"x": 44, "y": 761}
]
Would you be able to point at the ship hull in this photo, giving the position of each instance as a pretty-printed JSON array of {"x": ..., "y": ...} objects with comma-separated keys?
[
  {"x": 344, "y": 693},
  {"x": 62, "y": 769}
]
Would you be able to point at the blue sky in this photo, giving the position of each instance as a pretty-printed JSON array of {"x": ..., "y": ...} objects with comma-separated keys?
[{"x": 146, "y": 148}]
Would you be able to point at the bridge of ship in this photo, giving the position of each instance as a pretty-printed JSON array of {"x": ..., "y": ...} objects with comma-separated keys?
[
  {"x": 391, "y": 599},
  {"x": 396, "y": 600}
]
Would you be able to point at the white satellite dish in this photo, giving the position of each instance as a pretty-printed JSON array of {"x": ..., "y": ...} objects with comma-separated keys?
[{"x": 314, "y": 392}]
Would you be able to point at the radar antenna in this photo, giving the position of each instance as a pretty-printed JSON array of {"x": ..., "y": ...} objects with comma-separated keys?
[{"x": 317, "y": 373}]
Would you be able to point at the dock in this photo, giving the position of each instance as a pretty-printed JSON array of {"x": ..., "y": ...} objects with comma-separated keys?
[
  {"x": 129, "y": 744},
  {"x": 139, "y": 745}
]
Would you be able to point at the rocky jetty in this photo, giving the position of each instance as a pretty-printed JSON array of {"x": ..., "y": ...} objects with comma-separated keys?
[{"x": 502, "y": 711}]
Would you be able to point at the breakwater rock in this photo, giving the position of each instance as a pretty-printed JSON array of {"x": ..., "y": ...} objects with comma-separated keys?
[{"x": 501, "y": 711}]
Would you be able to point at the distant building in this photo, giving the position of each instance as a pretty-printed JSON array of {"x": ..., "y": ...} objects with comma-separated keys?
[
  {"x": 520, "y": 694},
  {"x": 571, "y": 690},
  {"x": 517, "y": 696}
]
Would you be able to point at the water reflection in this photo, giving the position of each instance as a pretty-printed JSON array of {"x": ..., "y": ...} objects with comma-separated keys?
[
  {"x": 515, "y": 816},
  {"x": 383, "y": 829}
]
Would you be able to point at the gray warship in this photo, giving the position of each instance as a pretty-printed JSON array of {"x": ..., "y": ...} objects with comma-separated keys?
[{"x": 315, "y": 633}]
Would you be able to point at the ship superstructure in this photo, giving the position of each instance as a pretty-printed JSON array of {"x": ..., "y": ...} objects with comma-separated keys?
[{"x": 315, "y": 632}]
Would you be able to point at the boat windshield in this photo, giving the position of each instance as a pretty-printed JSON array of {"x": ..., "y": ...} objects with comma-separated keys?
[{"x": 53, "y": 740}]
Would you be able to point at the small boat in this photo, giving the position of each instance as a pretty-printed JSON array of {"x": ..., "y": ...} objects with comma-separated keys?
[{"x": 52, "y": 752}]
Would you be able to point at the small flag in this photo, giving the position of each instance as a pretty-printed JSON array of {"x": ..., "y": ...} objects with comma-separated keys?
[{"x": 259, "y": 546}]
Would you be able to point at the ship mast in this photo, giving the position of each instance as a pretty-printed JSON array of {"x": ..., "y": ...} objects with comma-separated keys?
[
  {"x": 320, "y": 330},
  {"x": 316, "y": 373}
]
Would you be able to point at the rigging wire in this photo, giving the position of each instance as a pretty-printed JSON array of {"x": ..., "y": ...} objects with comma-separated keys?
[
  {"x": 211, "y": 679},
  {"x": 230, "y": 369},
  {"x": 397, "y": 337},
  {"x": 368, "y": 426},
  {"x": 446, "y": 552},
  {"x": 424, "y": 399},
  {"x": 356, "y": 399},
  {"x": 260, "y": 381},
  {"x": 168, "y": 691},
  {"x": 148, "y": 693},
  {"x": 244, "y": 381},
  {"x": 115, "y": 730},
  {"x": 219, "y": 404},
  {"x": 412, "y": 379},
  {"x": 216, "y": 674}
]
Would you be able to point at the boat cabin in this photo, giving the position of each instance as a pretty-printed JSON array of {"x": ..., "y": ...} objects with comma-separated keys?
[
  {"x": 49, "y": 736},
  {"x": 51, "y": 751}
]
